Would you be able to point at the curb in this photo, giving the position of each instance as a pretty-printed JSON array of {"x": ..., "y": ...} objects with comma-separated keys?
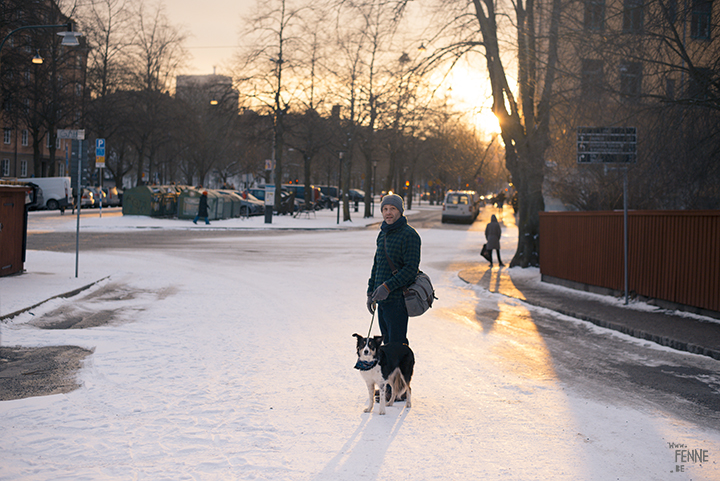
[{"x": 72, "y": 293}]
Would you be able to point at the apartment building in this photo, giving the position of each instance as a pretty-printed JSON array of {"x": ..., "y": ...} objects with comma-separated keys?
[{"x": 42, "y": 90}]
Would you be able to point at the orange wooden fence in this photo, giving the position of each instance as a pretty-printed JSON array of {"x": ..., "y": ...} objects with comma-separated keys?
[{"x": 672, "y": 255}]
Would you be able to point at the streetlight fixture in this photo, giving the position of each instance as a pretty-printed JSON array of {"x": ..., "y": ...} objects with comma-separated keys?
[
  {"x": 37, "y": 59},
  {"x": 69, "y": 37}
]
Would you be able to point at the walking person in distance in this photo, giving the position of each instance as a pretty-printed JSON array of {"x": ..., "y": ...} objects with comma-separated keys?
[
  {"x": 202, "y": 208},
  {"x": 492, "y": 235}
]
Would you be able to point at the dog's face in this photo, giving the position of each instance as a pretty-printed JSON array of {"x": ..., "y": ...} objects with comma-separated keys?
[{"x": 367, "y": 347}]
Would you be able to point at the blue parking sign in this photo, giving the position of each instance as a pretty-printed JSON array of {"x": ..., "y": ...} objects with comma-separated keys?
[{"x": 99, "y": 147}]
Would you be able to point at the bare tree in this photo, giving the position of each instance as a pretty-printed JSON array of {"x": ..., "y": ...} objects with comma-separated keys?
[
  {"x": 524, "y": 118},
  {"x": 274, "y": 29}
]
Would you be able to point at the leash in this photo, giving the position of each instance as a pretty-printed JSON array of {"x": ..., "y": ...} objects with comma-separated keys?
[{"x": 371, "y": 321}]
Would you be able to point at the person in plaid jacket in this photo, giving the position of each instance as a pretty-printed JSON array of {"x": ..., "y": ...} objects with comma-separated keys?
[{"x": 385, "y": 289}]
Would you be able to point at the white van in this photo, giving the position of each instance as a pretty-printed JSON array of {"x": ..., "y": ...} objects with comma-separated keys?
[
  {"x": 56, "y": 191},
  {"x": 461, "y": 205}
]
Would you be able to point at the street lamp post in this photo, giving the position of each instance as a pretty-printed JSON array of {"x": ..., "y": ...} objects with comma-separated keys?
[
  {"x": 372, "y": 190},
  {"x": 340, "y": 157}
]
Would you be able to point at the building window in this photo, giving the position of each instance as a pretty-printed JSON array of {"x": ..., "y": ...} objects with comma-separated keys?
[
  {"x": 23, "y": 168},
  {"x": 25, "y": 138},
  {"x": 630, "y": 80},
  {"x": 7, "y": 136},
  {"x": 632, "y": 16},
  {"x": 700, "y": 20},
  {"x": 595, "y": 15},
  {"x": 670, "y": 89},
  {"x": 5, "y": 167},
  {"x": 591, "y": 79}
]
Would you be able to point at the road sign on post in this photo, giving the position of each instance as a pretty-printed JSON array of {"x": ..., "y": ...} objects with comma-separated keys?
[
  {"x": 80, "y": 136},
  {"x": 71, "y": 134},
  {"x": 100, "y": 153},
  {"x": 610, "y": 145},
  {"x": 606, "y": 145}
]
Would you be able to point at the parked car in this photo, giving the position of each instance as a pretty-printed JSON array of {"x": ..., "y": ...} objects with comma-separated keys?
[
  {"x": 87, "y": 199},
  {"x": 99, "y": 196},
  {"x": 356, "y": 195},
  {"x": 259, "y": 193},
  {"x": 461, "y": 205},
  {"x": 251, "y": 205},
  {"x": 113, "y": 197},
  {"x": 328, "y": 197},
  {"x": 329, "y": 190},
  {"x": 56, "y": 192}
]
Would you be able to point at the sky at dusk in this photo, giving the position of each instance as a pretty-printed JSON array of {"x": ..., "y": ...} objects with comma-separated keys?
[
  {"x": 213, "y": 26},
  {"x": 214, "y": 31}
]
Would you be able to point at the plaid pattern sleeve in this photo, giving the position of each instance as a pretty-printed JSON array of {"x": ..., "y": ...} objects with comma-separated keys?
[{"x": 403, "y": 247}]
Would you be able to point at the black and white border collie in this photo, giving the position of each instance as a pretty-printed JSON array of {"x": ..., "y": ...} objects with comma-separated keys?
[{"x": 388, "y": 366}]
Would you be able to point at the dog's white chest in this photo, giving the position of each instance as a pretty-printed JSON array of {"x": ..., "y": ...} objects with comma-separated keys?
[{"x": 372, "y": 375}]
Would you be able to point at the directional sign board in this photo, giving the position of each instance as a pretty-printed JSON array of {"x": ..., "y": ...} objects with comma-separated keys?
[
  {"x": 71, "y": 134},
  {"x": 606, "y": 145},
  {"x": 100, "y": 153}
]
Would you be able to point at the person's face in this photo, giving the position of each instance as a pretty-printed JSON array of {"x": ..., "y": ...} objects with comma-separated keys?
[{"x": 390, "y": 213}]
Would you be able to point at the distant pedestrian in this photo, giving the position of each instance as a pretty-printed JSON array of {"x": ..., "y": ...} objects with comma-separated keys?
[
  {"x": 492, "y": 235},
  {"x": 202, "y": 209}
]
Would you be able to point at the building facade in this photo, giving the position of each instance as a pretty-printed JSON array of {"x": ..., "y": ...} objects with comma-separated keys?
[{"x": 43, "y": 90}]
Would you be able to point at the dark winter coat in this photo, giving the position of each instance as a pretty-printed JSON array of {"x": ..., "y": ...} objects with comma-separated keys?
[
  {"x": 493, "y": 233},
  {"x": 203, "y": 207},
  {"x": 403, "y": 248}
]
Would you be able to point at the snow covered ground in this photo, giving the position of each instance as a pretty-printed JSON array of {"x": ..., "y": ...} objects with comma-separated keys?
[{"x": 233, "y": 359}]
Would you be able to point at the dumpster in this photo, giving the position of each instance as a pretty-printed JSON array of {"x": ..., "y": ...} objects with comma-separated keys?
[
  {"x": 233, "y": 203},
  {"x": 189, "y": 200},
  {"x": 143, "y": 200}
]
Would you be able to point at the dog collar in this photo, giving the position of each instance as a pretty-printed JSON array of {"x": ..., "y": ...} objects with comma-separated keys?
[{"x": 365, "y": 365}]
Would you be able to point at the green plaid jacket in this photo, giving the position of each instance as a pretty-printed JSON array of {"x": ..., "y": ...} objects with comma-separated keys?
[{"x": 403, "y": 247}]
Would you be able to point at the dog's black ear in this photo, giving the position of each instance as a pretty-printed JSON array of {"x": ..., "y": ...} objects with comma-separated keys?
[
  {"x": 378, "y": 339},
  {"x": 358, "y": 336}
]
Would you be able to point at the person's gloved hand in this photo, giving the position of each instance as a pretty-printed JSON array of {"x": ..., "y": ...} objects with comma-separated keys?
[
  {"x": 381, "y": 293},
  {"x": 370, "y": 305}
]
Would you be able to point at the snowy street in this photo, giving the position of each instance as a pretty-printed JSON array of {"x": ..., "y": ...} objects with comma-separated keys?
[{"x": 231, "y": 357}]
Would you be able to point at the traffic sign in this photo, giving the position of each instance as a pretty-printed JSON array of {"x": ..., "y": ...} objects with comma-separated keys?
[
  {"x": 606, "y": 145},
  {"x": 71, "y": 134},
  {"x": 100, "y": 153}
]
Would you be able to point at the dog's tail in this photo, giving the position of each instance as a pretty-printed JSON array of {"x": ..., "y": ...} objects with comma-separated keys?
[{"x": 399, "y": 385}]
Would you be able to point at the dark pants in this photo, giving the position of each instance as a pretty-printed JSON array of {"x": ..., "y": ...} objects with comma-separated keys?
[
  {"x": 393, "y": 320},
  {"x": 198, "y": 216},
  {"x": 498, "y": 256}
]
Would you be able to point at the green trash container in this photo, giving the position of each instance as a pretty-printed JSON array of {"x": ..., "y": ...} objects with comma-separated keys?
[
  {"x": 169, "y": 202},
  {"x": 143, "y": 200},
  {"x": 233, "y": 203}
]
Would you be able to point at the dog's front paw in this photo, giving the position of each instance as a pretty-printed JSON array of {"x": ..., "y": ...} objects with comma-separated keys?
[
  {"x": 381, "y": 412},
  {"x": 367, "y": 410}
]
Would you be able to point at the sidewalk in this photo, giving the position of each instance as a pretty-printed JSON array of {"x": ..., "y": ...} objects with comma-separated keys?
[{"x": 674, "y": 329}]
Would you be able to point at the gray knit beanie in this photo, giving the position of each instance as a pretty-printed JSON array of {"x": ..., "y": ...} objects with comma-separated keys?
[{"x": 395, "y": 200}]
